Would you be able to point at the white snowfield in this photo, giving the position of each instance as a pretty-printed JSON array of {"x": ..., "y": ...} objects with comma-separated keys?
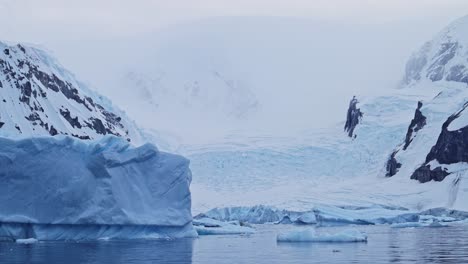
[
  {"x": 327, "y": 168},
  {"x": 61, "y": 188}
]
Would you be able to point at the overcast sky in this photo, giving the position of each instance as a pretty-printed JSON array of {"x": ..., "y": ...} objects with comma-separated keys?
[
  {"x": 369, "y": 41},
  {"x": 23, "y": 19}
]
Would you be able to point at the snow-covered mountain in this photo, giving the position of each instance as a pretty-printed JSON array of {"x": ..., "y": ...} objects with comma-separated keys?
[
  {"x": 40, "y": 97},
  {"x": 442, "y": 58},
  {"x": 437, "y": 137},
  {"x": 407, "y": 150}
]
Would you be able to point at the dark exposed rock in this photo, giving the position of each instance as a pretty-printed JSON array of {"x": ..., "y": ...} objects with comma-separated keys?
[
  {"x": 81, "y": 137},
  {"x": 6, "y": 51},
  {"x": 353, "y": 117},
  {"x": 1, "y": 124},
  {"x": 33, "y": 117},
  {"x": 21, "y": 48},
  {"x": 98, "y": 126},
  {"x": 26, "y": 92},
  {"x": 18, "y": 128},
  {"x": 72, "y": 120},
  {"x": 418, "y": 122},
  {"x": 392, "y": 165},
  {"x": 451, "y": 147},
  {"x": 53, "y": 131},
  {"x": 1, "y": 85},
  {"x": 425, "y": 174}
]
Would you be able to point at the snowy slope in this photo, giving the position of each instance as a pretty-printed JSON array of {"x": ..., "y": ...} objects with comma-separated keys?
[
  {"x": 442, "y": 58},
  {"x": 330, "y": 168},
  {"x": 39, "y": 97}
]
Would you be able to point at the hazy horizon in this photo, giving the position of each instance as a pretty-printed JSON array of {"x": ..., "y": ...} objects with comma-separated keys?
[{"x": 320, "y": 53}]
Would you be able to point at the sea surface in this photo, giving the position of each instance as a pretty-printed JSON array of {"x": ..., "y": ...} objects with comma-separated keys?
[{"x": 385, "y": 245}]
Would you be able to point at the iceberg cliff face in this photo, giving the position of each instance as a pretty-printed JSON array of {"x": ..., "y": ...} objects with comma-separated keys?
[{"x": 64, "y": 188}]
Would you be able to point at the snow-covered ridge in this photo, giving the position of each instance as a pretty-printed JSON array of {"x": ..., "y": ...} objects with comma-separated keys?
[
  {"x": 437, "y": 136},
  {"x": 39, "y": 97},
  {"x": 443, "y": 58},
  {"x": 68, "y": 188}
]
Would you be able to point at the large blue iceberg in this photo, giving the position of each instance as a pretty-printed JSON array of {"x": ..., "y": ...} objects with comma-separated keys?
[{"x": 60, "y": 188}]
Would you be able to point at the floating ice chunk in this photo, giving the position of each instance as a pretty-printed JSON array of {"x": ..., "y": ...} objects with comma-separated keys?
[
  {"x": 207, "y": 222},
  {"x": 418, "y": 224},
  {"x": 224, "y": 230},
  {"x": 309, "y": 235},
  {"x": 437, "y": 218},
  {"x": 408, "y": 225},
  {"x": 332, "y": 215},
  {"x": 208, "y": 226},
  {"x": 259, "y": 214},
  {"x": 26, "y": 241},
  {"x": 307, "y": 218},
  {"x": 436, "y": 224}
]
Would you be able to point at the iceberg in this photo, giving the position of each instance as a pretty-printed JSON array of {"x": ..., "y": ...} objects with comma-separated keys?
[
  {"x": 309, "y": 235},
  {"x": 208, "y": 226},
  {"x": 26, "y": 241},
  {"x": 259, "y": 214},
  {"x": 337, "y": 216},
  {"x": 61, "y": 188},
  {"x": 418, "y": 224}
]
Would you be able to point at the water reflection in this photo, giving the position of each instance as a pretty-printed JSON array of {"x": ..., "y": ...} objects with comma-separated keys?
[
  {"x": 154, "y": 251},
  {"x": 385, "y": 245}
]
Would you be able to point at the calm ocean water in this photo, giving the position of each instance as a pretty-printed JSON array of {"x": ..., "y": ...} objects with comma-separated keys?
[{"x": 385, "y": 245}]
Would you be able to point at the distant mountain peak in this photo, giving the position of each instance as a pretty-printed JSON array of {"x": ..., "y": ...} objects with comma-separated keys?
[{"x": 444, "y": 58}]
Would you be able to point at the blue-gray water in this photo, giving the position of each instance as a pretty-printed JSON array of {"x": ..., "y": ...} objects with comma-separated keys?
[{"x": 385, "y": 245}]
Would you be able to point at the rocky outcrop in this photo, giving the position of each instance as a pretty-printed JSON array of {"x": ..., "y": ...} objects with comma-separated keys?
[
  {"x": 39, "y": 97},
  {"x": 392, "y": 165},
  {"x": 353, "y": 117},
  {"x": 451, "y": 147},
  {"x": 425, "y": 174},
  {"x": 418, "y": 122}
]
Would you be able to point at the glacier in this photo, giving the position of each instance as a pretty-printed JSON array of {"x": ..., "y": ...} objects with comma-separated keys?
[{"x": 61, "y": 188}]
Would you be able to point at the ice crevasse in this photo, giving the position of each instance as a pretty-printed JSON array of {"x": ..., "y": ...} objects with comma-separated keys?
[{"x": 61, "y": 188}]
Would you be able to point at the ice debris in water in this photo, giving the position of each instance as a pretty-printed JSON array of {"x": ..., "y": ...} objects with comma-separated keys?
[
  {"x": 26, "y": 241},
  {"x": 309, "y": 235},
  {"x": 208, "y": 226}
]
